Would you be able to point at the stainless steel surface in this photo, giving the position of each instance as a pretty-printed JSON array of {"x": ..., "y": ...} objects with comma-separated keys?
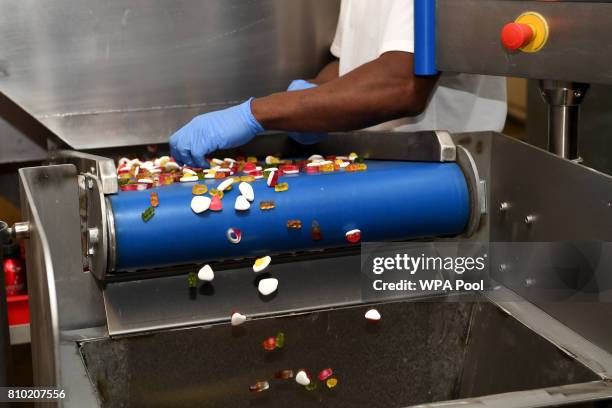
[
  {"x": 4, "y": 329},
  {"x": 563, "y": 99},
  {"x": 468, "y": 43},
  {"x": 570, "y": 203},
  {"x": 20, "y": 334},
  {"x": 478, "y": 199},
  {"x": 100, "y": 167},
  {"x": 21, "y": 230},
  {"x": 96, "y": 227},
  {"x": 127, "y": 72},
  {"x": 62, "y": 296},
  {"x": 448, "y": 150},
  {"x": 112, "y": 242}
]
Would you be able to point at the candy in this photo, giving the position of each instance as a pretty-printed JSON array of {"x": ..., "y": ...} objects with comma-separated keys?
[
  {"x": 199, "y": 189},
  {"x": 206, "y": 274},
  {"x": 272, "y": 179},
  {"x": 247, "y": 179},
  {"x": 312, "y": 169},
  {"x": 247, "y": 191},
  {"x": 200, "y": 204},
  {"x": 311, "y": 387},
  {"x": 280, "y": 340},
  {"x": 327, "y": 168},
  {"x": 234, "y": 235},
  {"x": 272, "y": 160},
  {"x": 251, "y": 159},
  {"x": 261, "y": 264},
  {"x": 248, "y": 167},
  {"x": 145, "y": 181},
  {"x": 294, "y": 224},
  {"x": 188, "y": 179},
  {"x": 259, "y": 386},
  {"x": 225, "y": 185},
  {"x": 331, "y": 383},
  {"x": 192, "y": 280},
  {"x": 219, "y": 175},
  {"x": 284, "y": 374},
  {"x": 258, "y": 174},
  {"x": 242, "y": 204},
  {"x": 237, "y": 319},
  {"x": 353, "y": 156},
  {"x": 216, "y": 193},
  {"x": 148, "y": 214},
  {"x": 362, "y": 167},
  {"x": 154, "y": 200},
  {"x": 188, "y": 172},
  {"x": 266, "y": 205},
  {"x": 315, "y": 157},
  {"x": 216, "y": 204},
  {"x": 289, "y": 169},
  {"x": 315, "y": 231},
  {"x": 269, "y": 344},
  {"x": 281, "y": 187},
  {"x": 267, "y": 286},
  {"x": 325, "y": 374},
  {"x": 210, "y": 175},
  {"x": 216, "y": 161},
  {"x": 373, "y": 315},
  {"x": 172, "y": 166},
  {"x": 353, "y": 236},
  {"x": 351, "y": 168},
  {"x": 302, "y": 378}
]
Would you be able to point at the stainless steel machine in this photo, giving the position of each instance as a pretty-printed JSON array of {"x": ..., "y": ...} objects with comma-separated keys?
[{"x": 125, "y": 75}]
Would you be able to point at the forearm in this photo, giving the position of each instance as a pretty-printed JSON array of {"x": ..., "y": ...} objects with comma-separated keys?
[
  {"x": 377, "y": 92},
  {"x": 327, "y": 74}
]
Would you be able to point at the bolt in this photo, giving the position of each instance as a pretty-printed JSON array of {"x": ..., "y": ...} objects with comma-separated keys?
[
  {"x": 529, "y": 282},
  {"x": 530, "y": 219},
  {"x": 503, "y": 267},
  {"x": 93, "y": 235},
  {"x": 90, "y": 184},
  {"x": 505, "y": 206},
  {"x": 577, "y": 94}
]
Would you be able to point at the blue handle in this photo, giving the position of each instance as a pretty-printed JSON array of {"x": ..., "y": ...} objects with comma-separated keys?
[
  {"x": 425, "y": 37},
  {"x": 389, "y": 201}
]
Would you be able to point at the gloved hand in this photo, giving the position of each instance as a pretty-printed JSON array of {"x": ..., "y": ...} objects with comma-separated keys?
[
  {"x": 212, "y": 131},
  {"x": 304, "y": 138}
]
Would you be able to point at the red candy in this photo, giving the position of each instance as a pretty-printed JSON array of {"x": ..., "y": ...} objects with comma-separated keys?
[
  {"x": 215, "y": 204},
  {"x": 353, "y": 236},
  {"x": 273, "y": 179},
  {"x": 248, "y": 167},
  {"x": 325, "y": 374},
  {"x": 269, "y": 344}
]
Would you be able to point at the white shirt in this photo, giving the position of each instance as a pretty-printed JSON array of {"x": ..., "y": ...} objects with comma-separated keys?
[{"x": 459, "y": 103}]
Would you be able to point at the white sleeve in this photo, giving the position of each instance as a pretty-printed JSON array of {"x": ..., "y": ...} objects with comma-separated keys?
[
  {"x": 398, "y": 29},
  {"x": 336, "y": 47}
]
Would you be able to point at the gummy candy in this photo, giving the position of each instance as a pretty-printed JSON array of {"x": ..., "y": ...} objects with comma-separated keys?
[
  {"x": 362, "y": 166},
  {"x": 351, "y": 168},
  {"x": 353, "y": 236},
  {"x": 261, "y": 264},
  {"x": 315, "y": 231},
  {"x": 294, "y": 224},
  {"x": 148, "y": 214},
  {"x": 252, "y": 159},
  {"x": 199, "y": 189},
  {"x": 327, "y": 168},
  {"x": 216, "y": 193},
  {"x": 284, "y": 374},
  {"x": 259, "y": 386},
  {"x": 247, "y": 179},
  {"x": 154, "y": 200},
  {"x": 280, "y": 340},
  {"x": 234, "y": 235},
  {"x": 272, "y": 160},
  {"x": 353, "y": 156},
  {"x": 266, "y": 205},
  {"x": 272, "y": 178},
  {"x": 269, "y": 344},
  {"x": 325, "y": 374},
  {"x": 331, "y": 383},
  {"x": 216, "y": 204},
  {"x": 302, "y": 378},
  {"x": 219, "y": 175},
  {"x": 192, "y": 280},
  {"x": 311, "y": 387},
  {"x": 281, "y": 187}
]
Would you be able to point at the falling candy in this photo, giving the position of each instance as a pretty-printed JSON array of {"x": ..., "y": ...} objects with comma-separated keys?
[
  {"x": 280, "y": 340},
  {"x": 331, "y": 383},
  {"x": 373, "y": 315},
  {"x": 325, "y": 374},
  {"x": 266, "y": 205},
  {"x": 234, "y": 235},
  {"x": 247, "y": 191},
  {"x": 302, "y": 378},
  {"x": 237, "y": 319},
  {"x": 259, "y": 386},
  {"x": 315, "y": 231},
  {"x": 199, "y": 189},
  {"x": 261, "y": 264},
  {"x": 294, "y": 224},
  {"x": 154, "y": 200},
  {"x": 281, "y": 187},
  {"x": 311, "y": 387},
  {"x": 200, "y": 204},
  {"x": 284, "y": 374},
  {"x": 269, "y": 344},
  {"x": 192, "y": 280},
  {"x": 267, "y": 286},
  {"x": 206, "y": 274},
  {"x": 353, "y": 236},
  {"x": 148, "y": 214},
  {"x": 216, "y": 204},
  {"x": 242, "y": 204}
]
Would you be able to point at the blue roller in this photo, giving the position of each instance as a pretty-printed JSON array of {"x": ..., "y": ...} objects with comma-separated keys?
[
  {"x": 425, "y": 37},
  {"x": 389, "y": 201}
]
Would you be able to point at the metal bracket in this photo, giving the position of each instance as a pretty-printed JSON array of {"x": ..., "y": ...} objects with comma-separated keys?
[
  {"x": 476, "y": 187},
  {"x": 95, "y": 228},
  {"x": 101, "y": 167}
]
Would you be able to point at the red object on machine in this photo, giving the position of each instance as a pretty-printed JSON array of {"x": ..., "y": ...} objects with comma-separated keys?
[
  {"x": 516, "y": 35},
  {"x": 13, "y": 267},
  {"x": 18, "y": 310}
]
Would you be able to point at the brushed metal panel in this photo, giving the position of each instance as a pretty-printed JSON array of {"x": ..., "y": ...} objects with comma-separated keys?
[
  {"x": 122, "y": 72},
  {"x": 468, "y": 39}
]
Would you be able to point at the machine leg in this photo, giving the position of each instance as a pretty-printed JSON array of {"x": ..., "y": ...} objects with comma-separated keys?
[{"x": 563, "y": 99}]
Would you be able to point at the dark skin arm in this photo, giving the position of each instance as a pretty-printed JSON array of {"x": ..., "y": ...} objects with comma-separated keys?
[
  {"x": 382, "y": 90},
  {"x": 328, "y": 73}
]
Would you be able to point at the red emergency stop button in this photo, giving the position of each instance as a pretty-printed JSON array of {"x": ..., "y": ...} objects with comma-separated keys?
[{"x": 516, "y": 35}]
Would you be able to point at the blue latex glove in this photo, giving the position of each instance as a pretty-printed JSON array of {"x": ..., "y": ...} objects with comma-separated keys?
[
  {"x": 212, "y": 131},
  {"x": 304, "y": 138}
]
